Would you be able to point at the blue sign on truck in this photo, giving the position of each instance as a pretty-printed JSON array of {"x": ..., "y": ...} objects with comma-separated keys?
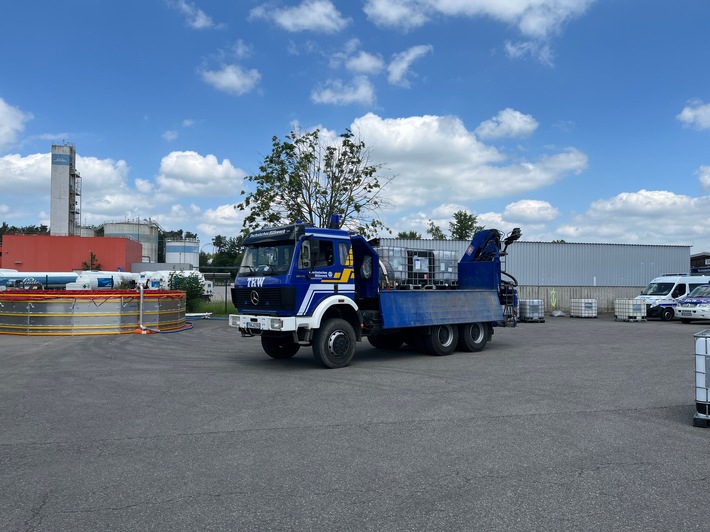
[{"x": 300, "y": 285}]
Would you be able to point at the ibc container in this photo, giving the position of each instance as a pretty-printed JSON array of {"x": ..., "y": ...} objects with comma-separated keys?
[
  {"x": 702, "y": 364},
  {"x": 532, "y": 310},
  {"x": 629, "y": 310},
  {"x": 583, "y": 308}
]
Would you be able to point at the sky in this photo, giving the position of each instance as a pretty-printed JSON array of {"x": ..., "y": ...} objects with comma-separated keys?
[{"x": 575, "y": 120}]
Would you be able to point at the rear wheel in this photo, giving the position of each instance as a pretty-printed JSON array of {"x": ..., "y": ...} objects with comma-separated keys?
[
  {"x": 279, "y": 347},
  {"x": 473, "y": 337},
  {"x": 334, "y": 343},
  {"x": 442, "y": 340}
]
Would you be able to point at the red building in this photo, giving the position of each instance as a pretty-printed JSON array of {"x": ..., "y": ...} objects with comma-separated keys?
[{"x": 36, "y": 253}]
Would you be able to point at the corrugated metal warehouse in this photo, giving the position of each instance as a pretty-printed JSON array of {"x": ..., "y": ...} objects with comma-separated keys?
[{"x": 603, "y": 272}]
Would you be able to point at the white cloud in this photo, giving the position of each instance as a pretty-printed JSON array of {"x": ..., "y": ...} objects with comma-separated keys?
[
  {"x": 644, "y": 217},
  {"x": 360, "y": 91},
  {"x": 507, "y": 123},
  {"x": 435, "y": 158},
  {"x": 187, "y": 173},
  {"x": 195, "y": 18},
  {"x": 170, "y": 134},
  {"x": 232, "y": 79},
  {"x": 21, "y": 174},
  {"x": 309, "y": 15},
  {"x": 538, "y": 50},
  {"x": 402, "y": 14},
  {"x": 703, "y": 174},
  {"x": 536, "y": 19},
  {"x": 365, "y": 63},
  {"x": 401, "y": 62},
  {"x": 696, "y": 114},
  {"x": 531, "y": 211},
  {"x": 12, "y": 122}
]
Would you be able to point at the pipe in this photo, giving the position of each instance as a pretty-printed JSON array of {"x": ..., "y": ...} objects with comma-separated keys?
[{"x": 140, "y": 309}]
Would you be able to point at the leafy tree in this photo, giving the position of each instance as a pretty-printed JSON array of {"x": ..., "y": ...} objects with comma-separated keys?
[
  {"x": 434, "y": 231},
  {"x": 463, "y": 226},
  {"x": 191, "y": 284},
  {"x": 229, "y": 251},
  {"x": 559, "y": 241},
  {"x": 93, "y": 263},
  {"x": 6, "y": 229},
  {"x": 306, "y": 179},
  {"x": 412, "y": 235}
]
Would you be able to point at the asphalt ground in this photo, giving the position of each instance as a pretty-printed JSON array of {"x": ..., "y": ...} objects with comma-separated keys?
[{"x": 571, "y": 424}]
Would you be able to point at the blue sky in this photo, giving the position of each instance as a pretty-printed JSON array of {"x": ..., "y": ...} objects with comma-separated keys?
[{"x": 582, "y": 120}]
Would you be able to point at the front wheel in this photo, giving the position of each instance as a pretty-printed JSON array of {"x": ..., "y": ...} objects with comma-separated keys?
[
  {"x": 334, "y": 343},
  {"x": 279, "y": 347},
  {"x": 442, "y": 340},
  {"x": 667, "y": 314},
  {"x": 473, "y": 337}
]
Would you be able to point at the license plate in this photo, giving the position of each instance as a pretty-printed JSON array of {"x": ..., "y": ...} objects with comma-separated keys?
[{"x": 253, "y": 325}]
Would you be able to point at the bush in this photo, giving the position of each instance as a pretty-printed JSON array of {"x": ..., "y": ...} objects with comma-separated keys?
[{"x": 191, "y": 284}]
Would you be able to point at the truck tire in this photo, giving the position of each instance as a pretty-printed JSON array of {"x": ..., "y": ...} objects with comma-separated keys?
[
  {"x": 334, "y": 343},
  {"x": 473, "y": 337},
  {"x": 442, "y": 340},
  {"x": 667, "y": 314},
  {"x": 279, "y": 347},
  {"x": 386, "y": 341}
]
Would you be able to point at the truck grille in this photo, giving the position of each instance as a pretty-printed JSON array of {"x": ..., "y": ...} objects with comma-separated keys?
[{"x": 264, "y": 299}]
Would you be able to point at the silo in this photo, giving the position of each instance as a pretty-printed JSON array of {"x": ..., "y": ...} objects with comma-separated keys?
[
  {"x": 183, "y": 251},
  {"x": 146, "y": 232}
]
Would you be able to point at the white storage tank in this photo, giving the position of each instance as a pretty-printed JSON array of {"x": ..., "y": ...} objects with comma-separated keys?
[
  {"x": 185, "y": 251},
  {"x": 629, "y": 310},
  {"x": 583, "y": 308},
  {"x": 532, "y": 310},
  {"x": 146, "y": 232}
]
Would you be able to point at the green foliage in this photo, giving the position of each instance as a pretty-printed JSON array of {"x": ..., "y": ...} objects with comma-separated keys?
[
  {"x": 191, "y": 284},
  {"x": 228, "y": 252},
  {"x": 93, "y": 263},
  {"x": 6, "y": 229},
  {"x": 306, "y": 179},
  {"x": 412, "y": 235},
  {"x": 463, "y": 226},
  {"x": 434, "y": 231}
]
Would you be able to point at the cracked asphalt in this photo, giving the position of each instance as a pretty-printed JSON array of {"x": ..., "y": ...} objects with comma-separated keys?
[{"x": 571, "y": 424}]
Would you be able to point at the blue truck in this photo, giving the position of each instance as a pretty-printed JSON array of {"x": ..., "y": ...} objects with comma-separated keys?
[{"x": 300, "y": 285}]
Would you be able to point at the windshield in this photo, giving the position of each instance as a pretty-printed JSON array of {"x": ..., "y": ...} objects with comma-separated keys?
[
  {"x": 658, "y": 289},
  {"x": 266, "y": 260},
  {"x": 700, "y": 291}
]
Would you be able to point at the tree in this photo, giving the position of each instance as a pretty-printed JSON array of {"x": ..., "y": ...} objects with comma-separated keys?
[
  {"x": 93, "y": 263},
  {"x": 463, "y": 226},
  {"x": 434, "y": 231},
  {"x": 306, "y": 179},
  {"x": 229, "y": 251},
  {"x": 412, "y": 235}
]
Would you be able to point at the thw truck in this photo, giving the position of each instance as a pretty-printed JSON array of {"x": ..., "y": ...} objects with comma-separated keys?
[{"x": 300, "y": 285}]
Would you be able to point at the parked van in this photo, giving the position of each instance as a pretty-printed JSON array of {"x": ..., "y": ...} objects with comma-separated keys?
[{"x": 662, "y": 293}]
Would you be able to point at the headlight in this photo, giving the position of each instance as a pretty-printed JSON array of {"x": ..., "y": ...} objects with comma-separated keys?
[{"x": 277, "y": 324}]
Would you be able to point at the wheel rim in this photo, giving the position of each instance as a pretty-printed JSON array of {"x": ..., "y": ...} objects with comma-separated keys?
[
  {"x": 445, "y": 335},
  {"x": 476, "y": 332},
  {"x": 338, "y": 344}
]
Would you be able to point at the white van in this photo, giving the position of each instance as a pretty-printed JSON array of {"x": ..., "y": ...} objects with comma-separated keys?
[{"x": 662, "y": 293}]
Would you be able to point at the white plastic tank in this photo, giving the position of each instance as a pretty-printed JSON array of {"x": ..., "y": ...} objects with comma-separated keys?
[
  {"x": 629, "y": 310},
  {"x": 583, "y": 308}
]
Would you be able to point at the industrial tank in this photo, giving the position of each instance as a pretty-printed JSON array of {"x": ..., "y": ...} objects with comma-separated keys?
[
  {"x": 184, "y": 251},
  {"x": 146, "y": 232}
]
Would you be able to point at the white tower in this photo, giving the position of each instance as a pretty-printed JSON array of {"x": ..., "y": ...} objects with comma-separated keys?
[{"x": 64, "y": 219}]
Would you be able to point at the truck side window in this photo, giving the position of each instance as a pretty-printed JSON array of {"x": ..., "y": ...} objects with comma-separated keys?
[
  {"x": 304, "y": 259},
  {"x": 343, "y": 250},
  {"x": 678, "y": 291},
  {"x": 322, "y": 253}
]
